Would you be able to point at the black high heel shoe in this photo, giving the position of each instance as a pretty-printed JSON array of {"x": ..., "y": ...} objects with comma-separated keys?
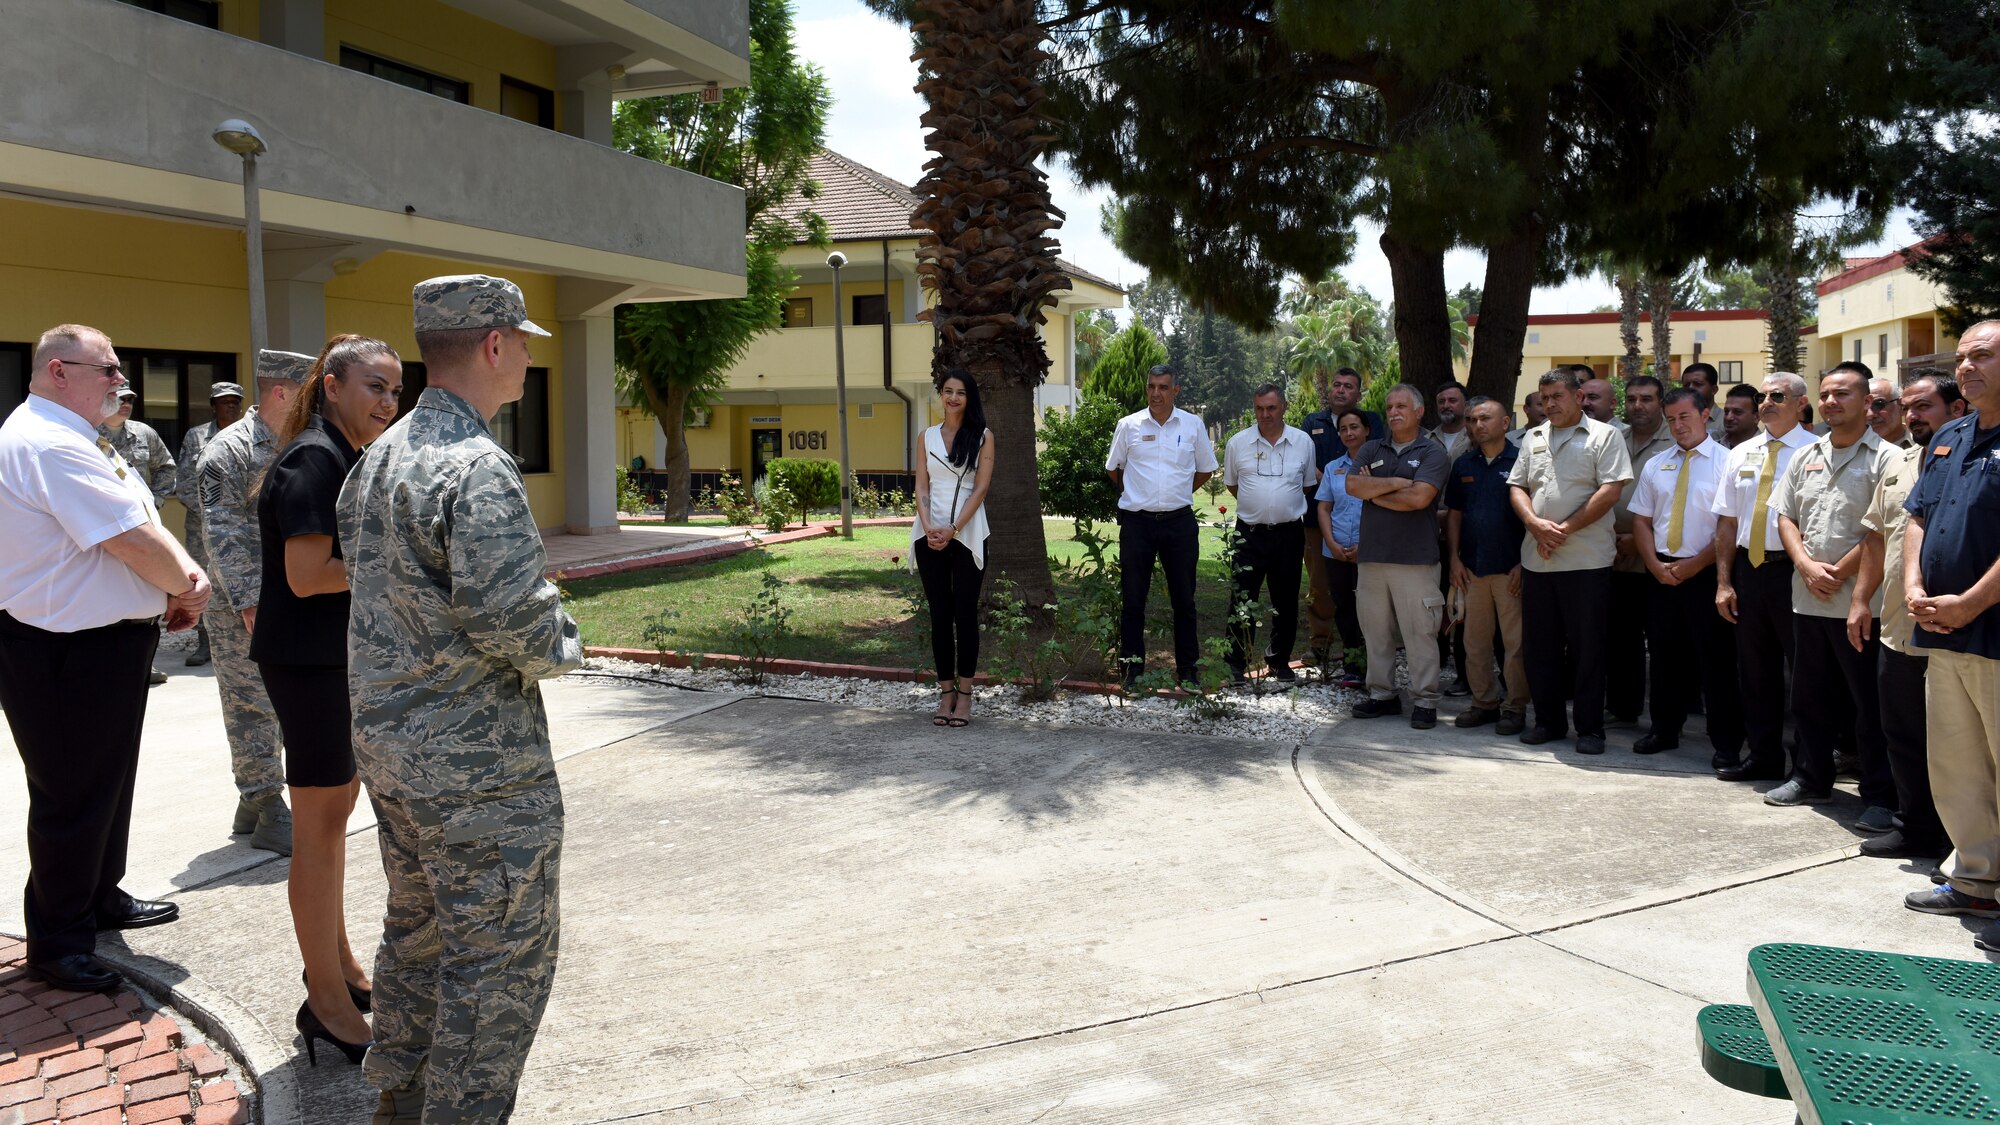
[
  {"x": 362, "y": 997},
  {"x": 312, "y": 1030}
]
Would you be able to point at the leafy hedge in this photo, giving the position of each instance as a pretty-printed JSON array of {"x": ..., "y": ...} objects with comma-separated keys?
[
  {"x": 813, "y": 484},
  {"x": 1071, "y": 463}
]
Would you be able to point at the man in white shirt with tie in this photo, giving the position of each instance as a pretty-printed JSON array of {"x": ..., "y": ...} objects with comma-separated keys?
[
  {"x": 1753, "y": 583},
  {"x": 86, "y": 575},
  {"x": 1158, "y": 457},
  {"x": 1268, "y": 468},
  {"x": 1673, "y": 527}
]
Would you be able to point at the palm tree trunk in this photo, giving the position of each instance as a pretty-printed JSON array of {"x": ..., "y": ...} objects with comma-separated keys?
[
  {"x": 1787, "y": 305},
  {"x": 986, "y": 213},
  {"x": 670, "y": 407},
  {"x": 1660, "y": 294},
  {"x": 1628, "y": 322}
]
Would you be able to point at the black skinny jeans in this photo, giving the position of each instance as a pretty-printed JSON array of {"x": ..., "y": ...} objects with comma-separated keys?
[{"x": 951, "y": 585}]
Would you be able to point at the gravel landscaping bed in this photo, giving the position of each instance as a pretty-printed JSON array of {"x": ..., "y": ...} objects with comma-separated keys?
[{"x": 1273, "y": 715}]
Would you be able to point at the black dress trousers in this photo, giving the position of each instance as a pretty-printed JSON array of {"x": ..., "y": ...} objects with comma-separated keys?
[
  {"x": 1764, "y": 653},
  {"x": 1174, "y": 539},
  {"x": 75, "y": 703}
]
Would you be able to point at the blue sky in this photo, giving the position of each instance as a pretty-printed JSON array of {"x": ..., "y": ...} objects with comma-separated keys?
[{"x": 874, "y": 120}]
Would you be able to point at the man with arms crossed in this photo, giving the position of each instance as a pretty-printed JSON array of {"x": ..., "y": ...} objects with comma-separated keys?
[
  {"x": 452, "y": 626},
  {"x": 86, "y": 574},
  {"x": 1397, "y": 561}
]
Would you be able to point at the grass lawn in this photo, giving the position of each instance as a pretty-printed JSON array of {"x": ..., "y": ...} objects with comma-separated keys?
[{"x": 851, "y": 602}]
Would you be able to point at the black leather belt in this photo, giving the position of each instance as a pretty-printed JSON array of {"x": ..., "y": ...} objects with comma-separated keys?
[{"x": 1182, "y": 511}]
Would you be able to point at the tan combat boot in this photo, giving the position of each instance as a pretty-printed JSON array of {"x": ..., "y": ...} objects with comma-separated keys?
[{"x": 399, "y": 1107}]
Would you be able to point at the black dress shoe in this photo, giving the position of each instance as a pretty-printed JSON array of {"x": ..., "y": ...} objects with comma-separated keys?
[
  {"x": 1895, "y": 845},
  {"x": 1654, "y": 743},
  {"x": 1535, "y": 736},
  {"x": 1751, "y": 771},
  {"x": 1376, "y": 708},
  {"x": 1722, "y": 761},
  {"x": 78, "y": 972},
  {"x": 1282, "y": 672},
  {"x": 1590, "y": 744},
  {"x": 138, "y": 914}
]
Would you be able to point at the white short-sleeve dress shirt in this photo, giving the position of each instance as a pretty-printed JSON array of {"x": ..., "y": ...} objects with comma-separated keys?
[
  {"x": 61, "y": 497},
  {"x": 1270, "y": 478},
  {"x": 1159, "y": 460},
  {"x": 1736, "y": 495},
  {"x": 1653, "y": 497}
]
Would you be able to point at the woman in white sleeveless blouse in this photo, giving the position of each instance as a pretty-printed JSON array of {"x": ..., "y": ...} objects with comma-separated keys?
[{"x": 948, "y": 539}]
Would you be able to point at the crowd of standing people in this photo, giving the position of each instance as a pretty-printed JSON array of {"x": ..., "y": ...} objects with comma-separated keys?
[
  {"x": 372, "y": 592},
  {"x": 1824, "y": 596}
]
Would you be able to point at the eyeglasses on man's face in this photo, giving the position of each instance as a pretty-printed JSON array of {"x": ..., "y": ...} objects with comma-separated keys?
[
  {"x": 1776, "y": 397},
  {"x": 111, "y": 370}
]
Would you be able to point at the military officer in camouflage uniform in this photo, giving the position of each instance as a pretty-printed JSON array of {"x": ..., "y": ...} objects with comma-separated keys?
[
  {"x": 231, "y": 464},
  {"x": 226, "y": 399},
  {"x": 141, "y": 446},
  {"x": 143, "y": 449},
  {"x": 452, "y": 625}
]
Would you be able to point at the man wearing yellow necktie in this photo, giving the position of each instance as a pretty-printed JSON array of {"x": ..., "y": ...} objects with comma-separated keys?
[
  {"x": 1673, "y": 525},
  {"x": 1820, "y": 504},
  {"x": 1753, "y": 581}
]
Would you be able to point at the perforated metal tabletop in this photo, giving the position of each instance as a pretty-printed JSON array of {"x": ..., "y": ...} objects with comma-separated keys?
[{"x": 1867, "y": 1038}]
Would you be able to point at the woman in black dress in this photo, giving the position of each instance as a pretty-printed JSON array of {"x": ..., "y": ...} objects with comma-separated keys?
[{"x": 300, "y": 646}]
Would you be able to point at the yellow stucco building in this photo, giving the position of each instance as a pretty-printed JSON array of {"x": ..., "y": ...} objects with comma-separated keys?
[
  {"x": 1734, "y": 340},
  {"x": 1878, "y": 311},
  {"x": 405, "y": 139},
  {"x": 779, "y": 401}
]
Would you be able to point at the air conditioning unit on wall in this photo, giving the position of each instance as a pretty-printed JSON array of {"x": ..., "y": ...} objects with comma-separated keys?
[{"x": 698, "y": 418}]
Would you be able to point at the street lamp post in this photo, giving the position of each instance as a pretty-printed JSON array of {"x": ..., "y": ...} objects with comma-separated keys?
[
  {"x": 836, "y": 260},
  {"x": 242, "y": 138}
]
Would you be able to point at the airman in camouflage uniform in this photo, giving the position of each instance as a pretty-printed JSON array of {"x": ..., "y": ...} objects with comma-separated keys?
[
  {"x": 188, "y": 488},
  {"x": 231, "y": 465},
  {"x": 142, "y": 448},
  {"x": 452, "y": 625}
]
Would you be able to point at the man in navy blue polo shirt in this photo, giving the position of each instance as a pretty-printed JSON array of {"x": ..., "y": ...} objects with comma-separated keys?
[
  {"x": 1484, "y": 536},
  {"x": 1951, "y": 554}
]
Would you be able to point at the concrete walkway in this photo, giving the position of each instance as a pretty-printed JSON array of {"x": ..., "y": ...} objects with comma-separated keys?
[{"x": 787, "y": 911}]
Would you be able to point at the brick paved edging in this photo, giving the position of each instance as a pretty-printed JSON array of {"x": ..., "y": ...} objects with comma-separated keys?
[
  {"x": 684, "y": 556},
  {"x": 102, "y": 1059}
]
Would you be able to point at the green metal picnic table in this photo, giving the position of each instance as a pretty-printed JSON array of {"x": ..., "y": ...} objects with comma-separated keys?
[{"x": 1867, "y": 1038}]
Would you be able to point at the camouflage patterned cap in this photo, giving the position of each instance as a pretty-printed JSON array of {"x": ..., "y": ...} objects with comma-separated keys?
[
  {"x": 471, "y": 300},
  {"x": 224, "y": 390},
  {"x": 290, "y": 367}
]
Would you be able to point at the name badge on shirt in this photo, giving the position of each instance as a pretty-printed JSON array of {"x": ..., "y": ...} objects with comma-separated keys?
[
  {"x": 1746, "y": 473},
  {"x": 1941, "y": 451},
  {"x": 1148, "y": 437},
  {"x": 1814, "y": 467},
  {"x": 1317, "y": 430},
  {"x": 1380, "y": 463},
  {"x": 1539, "y": 447},
  {"x": 1468, "y": 480}
]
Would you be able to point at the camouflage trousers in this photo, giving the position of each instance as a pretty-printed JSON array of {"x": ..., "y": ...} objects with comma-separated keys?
[
  {"x": 247, "y": 715},
  {"x": 469, "y": 945}
]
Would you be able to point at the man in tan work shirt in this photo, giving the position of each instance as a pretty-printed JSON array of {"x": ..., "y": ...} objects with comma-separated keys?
[
  {"x": 1565, "y": 481},
  {"x": 1928, "y": 403},
  {"x": 1820, "y": 502}
]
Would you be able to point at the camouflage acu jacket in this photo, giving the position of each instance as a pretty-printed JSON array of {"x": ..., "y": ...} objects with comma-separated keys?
[
  {"x": 144, "y": 450},
  {"x": 188, "y": 486},
  {"x": 230, "y": 465},
  {"x": 452, "y": 621}
]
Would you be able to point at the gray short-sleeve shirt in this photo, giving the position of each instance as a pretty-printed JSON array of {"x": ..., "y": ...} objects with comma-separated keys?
[
  {"x": 1390, "y": 536},
  {"x": 1560, "y": 470}
]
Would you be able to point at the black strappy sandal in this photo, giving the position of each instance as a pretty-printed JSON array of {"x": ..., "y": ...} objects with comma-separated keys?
[
  {"x": 955, "y": 721},
  {"x": 944, "y": 720}
]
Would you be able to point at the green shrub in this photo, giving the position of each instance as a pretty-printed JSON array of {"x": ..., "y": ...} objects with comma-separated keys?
[
  {"x": 1071, "y": 464},
  {"x": 630, "y": 499},
  {"x": 1120, "y": 374},
  {"x": 813, "y": 484},
  {"x": 734, "y": 501}
]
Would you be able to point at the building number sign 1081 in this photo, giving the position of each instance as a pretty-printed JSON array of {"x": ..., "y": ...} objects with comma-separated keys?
[{"x": 807, "y": 439}]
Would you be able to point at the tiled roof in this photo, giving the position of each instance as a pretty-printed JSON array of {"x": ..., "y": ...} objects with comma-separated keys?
[
  {"x": 1857, "y": 270},
  {"x": 859, "y": 203}
]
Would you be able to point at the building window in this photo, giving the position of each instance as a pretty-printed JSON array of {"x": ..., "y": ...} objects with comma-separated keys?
[
  {"x": 525, "y": 101},
  {"x": 521, "y": 428},
  {"x": 402, "y": 74},
  {"x": 203, "y": 12},
  {"x": 1882, "y": 351},
  {"x": 173, "y": 388},
  {"x": 871, "y": 309},
  {"x": 799, "y": 312},
  {"x": 1857, "y": 351},
  {"x": 14, "y": 359},
  {"x": 1729, "y": 371},
  {"x": 1534, "y": 337}
]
